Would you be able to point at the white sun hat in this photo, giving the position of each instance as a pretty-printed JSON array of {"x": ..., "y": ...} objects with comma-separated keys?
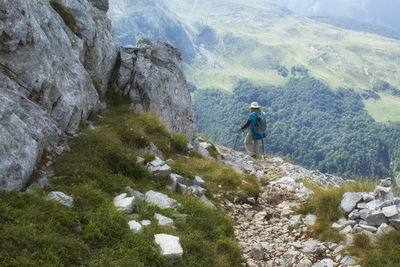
[{"x": 254, "y": 105}]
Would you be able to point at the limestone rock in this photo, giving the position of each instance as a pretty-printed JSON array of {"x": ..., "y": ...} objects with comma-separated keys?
[
  {"x": 367, "y": 197},
  {"x": 152, "y": 75},
  {"x": 350, "y": 201},
  {"x": 369, "y": 228},
  {"x": 310, "y": 246},
  {"x": 163, "y": 221},
  {"x": 384, "y": 229},
  {"x": 61, "y": 198},
  {"x": 395, "y": 221},
  {"x": 46, "y": 93},
  {"x": 174, "y": 179},
  {"x": 390, "y": 211},
  {"x": 346, "y": 230},
  {"x": 347, "y": 260},
  {"x": 198, "y": 181},
  {"x": 310, "y": 219},
  {"x": 135, "y": 226},
  {"x": 159, "y": 167},
  {"x": 355, "y": 214},
  {"x": 382, "y": 193},
  {"x": 196, "y": 190},
  {"x": 376, "y": 218},
  {"x": 124, "y": 203},
  {"x": 160, "y": 200},
  {"x": 170, "y": 246},
  {"x": 324, "y": 263},
  {"x": 145, "y": 223},
  {"x": 257, "y": 252},
  {"x": 386, "y": 182},
  {"x": 295, "y": 220},
  {"x": 204, "y": 152},
  {"x": 205, "y": 145}
]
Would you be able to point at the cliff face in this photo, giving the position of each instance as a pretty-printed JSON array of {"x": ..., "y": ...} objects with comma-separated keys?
[
  {"x": 52, "y": 56},
  {"x": 57, "y": 59},
  {"x": 152, "y": 75}
]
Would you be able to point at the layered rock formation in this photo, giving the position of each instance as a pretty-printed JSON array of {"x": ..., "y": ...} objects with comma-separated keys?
[
  {"x": 52, "y": 56},
  {"x": 152, "y": 75}
]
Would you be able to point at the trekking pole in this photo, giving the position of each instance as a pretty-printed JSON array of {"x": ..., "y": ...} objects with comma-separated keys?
[{"x": 237, "y": 136}]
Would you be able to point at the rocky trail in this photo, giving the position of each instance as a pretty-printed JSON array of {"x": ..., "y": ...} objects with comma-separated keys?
[{"x": 267, "y": 229}]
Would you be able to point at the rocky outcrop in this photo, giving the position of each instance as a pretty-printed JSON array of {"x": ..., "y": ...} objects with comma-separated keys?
[
  {"x": 56, "y": 58},
  {"x": 152, "y": 75},
  {"x": 372, "y": 214}
]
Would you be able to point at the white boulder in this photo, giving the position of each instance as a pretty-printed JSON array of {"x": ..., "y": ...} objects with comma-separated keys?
[
  {"x": 310, "y": 219},
  {"x": 135, "y": 226},
  {"x": 376, "y": 218},
  {"x": 390, "y": 211},
  {"x": 160, "y": 200},
  {"x": 62, "y": 198},
  {"x": 198, "y": 181},
  {"x": 170, "y": 246},
  {"x": 163, "y": 221},
  {"x": 350, "y": 201},
  {"x": 159, "y": 167},
  {"x": 124, "y": 204}
]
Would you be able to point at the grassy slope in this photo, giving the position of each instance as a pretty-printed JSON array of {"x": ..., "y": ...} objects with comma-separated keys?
[
  {"x": 387, "y": 108},
  {"x": 266, "y": 35},
  {"x": 101, "y": 164}
]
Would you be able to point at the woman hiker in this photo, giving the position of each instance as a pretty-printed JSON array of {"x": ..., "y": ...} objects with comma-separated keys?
[{"x": 253, "y": 139}]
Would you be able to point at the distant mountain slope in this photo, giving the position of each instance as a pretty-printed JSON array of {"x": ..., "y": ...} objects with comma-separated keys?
[
  {"x": 356, "y": 25},
  {"x": 134, "y": 19},
  {"x": 229, "y": 40}
]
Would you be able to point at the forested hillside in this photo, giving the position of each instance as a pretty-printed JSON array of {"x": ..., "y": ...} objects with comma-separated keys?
[{"x": 312, "y": 124}]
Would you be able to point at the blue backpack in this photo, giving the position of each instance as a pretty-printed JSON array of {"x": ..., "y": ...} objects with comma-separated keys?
[{"x": 261, "y": 125}]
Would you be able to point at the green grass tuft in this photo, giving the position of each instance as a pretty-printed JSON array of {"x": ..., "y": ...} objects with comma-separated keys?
[
  {"x": 178, "y": 143},
  {"x": 213, "y": 151},
  {"x": 68, "y": 19}
]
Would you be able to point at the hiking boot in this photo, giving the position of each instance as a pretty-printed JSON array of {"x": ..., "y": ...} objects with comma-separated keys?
[{"x": 254, "y": 157}]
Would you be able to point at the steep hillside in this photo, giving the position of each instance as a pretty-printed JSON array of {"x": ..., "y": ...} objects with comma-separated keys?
[{"x": 236, "y": 39}]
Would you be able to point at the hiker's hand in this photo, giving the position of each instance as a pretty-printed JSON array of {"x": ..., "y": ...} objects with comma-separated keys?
[{"x": 240, "y": 128}]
